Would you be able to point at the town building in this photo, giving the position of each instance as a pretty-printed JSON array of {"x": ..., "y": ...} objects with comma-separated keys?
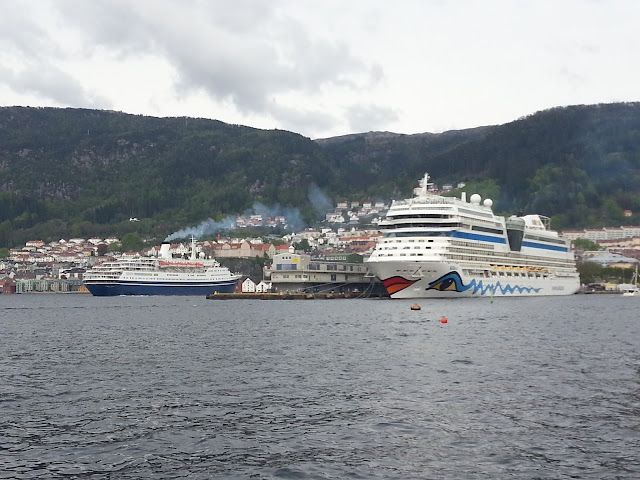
[
  {"x": 244, "y": 249},
  {"x": 263, "y": 287},
  {"x": 248, "y": 285},
  {"x": 297, "y": 272},
  {"x": 52, "y": 285},
  {"x": 605, "y": 233}
]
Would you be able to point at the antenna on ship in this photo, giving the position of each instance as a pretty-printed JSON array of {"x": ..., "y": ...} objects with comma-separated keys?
[{"x": 193, "y": 247}]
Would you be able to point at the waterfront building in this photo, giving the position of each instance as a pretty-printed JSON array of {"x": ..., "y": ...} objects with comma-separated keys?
[{"x": 298, "y": 272}]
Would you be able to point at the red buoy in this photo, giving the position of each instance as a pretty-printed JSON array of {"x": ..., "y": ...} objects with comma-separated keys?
[{"x": 443, "y": 320}]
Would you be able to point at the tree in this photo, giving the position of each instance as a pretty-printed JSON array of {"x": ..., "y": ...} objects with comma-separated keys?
[
  {"x": 132, "y": 242},
  {"x": 5, "y": 232},
  {"x": 4, "y": 252},
  {"x": 584, "y": 244},
  {"x": 303, "y": 245},
  {"x": 612, "y": 211}
]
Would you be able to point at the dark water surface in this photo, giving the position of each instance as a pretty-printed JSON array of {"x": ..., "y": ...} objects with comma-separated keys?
[{"x": 180, "y": 387}]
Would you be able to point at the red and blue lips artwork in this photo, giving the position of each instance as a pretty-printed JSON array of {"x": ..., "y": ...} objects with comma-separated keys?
[{"x": 451, "y": 282}]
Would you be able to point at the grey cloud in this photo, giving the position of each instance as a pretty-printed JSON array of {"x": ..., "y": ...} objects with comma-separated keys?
[
  {"x": 250, "y": 70},
  {"x": 376, "y": 73},
  {"x": 47, "y": 81},
  {"x": 370, "y": 117},
  {"x": 246, "y": 53},
  {"x": 317, "y": 61},
  {"x": 37, "y": 54},
  {"x": 18, "y": 31},
  {"x": 297, "y": 120},
  {"x": 115, "y": 25}
]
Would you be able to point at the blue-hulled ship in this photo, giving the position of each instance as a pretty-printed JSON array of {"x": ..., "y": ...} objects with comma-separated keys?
[{"x": 160, "y": 276}]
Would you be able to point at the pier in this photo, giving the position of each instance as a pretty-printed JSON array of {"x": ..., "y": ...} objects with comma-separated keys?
[{"x": 287, "y": 296}]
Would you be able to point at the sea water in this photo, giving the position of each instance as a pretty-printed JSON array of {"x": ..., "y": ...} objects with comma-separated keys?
[{"x": 184, "y": 387}]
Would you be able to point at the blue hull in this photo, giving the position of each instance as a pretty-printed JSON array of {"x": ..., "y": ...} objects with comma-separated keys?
[{"x": 125, "y": 288}]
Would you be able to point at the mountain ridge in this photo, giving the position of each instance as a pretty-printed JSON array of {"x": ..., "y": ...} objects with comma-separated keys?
[{"x": 85, "y": 172}]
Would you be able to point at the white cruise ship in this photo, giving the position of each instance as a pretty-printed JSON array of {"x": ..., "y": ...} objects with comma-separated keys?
[
  {"x": 160, "y": 276},
  {"x": 446, "y": 247}
]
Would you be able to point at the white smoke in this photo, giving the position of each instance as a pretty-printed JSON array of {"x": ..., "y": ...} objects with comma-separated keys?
[
  {"x": 319, "y": 201},
  {"x": 294, "y": 220},
  {"x": 292, "y": 215},
  {"x": 207, "y": 227}
]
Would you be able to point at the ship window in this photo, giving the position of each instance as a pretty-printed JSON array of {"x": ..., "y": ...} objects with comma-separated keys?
[
  {"x": 545, "y": 239},
  {"x": 418, "y": 215},
  {"x": 423, "y": 225},
  {"x": 487, "y": 230},
  {"x": 435, "y": 233}
]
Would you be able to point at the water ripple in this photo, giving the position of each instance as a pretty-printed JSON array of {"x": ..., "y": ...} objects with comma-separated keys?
[{"x": 190, "y": 388}]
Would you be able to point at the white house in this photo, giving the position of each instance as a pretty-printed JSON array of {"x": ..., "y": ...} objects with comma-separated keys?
[
  {"x": 248, "y": 286},
  {"x": 35, "y": 243},
  {"x": 263, "y": 287}
]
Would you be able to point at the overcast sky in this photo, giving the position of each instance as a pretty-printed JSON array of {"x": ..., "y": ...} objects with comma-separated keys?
[{"x": 325, "y": 67}]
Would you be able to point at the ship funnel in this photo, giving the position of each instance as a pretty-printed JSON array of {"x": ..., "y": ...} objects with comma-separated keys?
[{"x": 164, "y": 251}]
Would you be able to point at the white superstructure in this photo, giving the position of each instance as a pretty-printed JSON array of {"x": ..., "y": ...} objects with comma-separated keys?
[{"x": 449, "y": 247}]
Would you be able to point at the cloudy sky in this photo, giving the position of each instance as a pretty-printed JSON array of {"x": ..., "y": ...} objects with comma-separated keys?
[{"x": 323, "y": 67}]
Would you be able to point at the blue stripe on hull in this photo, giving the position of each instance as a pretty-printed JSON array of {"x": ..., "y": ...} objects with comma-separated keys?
[{"x": 116, "y": 289}]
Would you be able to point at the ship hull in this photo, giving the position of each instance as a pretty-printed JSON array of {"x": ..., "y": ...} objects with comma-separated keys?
[
  {"x": 444, "y": 281},
  {"x": 117, "y": 288}
]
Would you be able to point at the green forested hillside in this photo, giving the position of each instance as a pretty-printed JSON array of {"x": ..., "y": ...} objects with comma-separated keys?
[
  {"x": 76, "y": 172},
  {"x": 70, "y": 172},
  {"x": 579, "y": 165}
]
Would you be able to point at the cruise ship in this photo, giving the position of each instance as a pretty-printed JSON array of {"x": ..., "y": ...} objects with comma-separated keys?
[
  {"x": 447, "y": 247},
  {"x": 160, "y": 276}
]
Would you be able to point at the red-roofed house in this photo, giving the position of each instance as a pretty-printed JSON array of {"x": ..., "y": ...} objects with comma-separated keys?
[{"x": 245, "y": 249}]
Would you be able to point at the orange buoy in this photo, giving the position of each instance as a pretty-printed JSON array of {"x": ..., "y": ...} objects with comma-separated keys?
[
  {"x": 443, "y": 320},
  {"x": 415, "y": 306}
]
